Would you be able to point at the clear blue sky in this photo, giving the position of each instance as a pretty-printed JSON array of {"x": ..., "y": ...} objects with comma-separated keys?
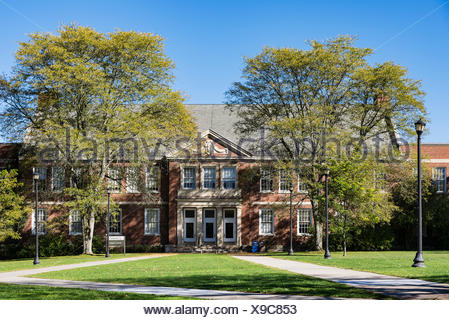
[{"x": 208, "y": 39}]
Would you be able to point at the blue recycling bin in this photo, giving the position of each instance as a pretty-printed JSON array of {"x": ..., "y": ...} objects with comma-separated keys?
[{"x": 255, "y": 247}]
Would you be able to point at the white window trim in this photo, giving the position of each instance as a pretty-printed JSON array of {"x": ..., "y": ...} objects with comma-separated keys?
[
  {"x": 279, "y": 184},
  {"x": 158, "y": 232},
  {"x": 33, "y": 224},
  {"x": 229, "y": 220},
  {"x": 182, "y": 178},
  {"x": 222, "y": 179},
  {"x": 260, "y": 222},
  {"x": 156, "y": 169},
  {"x": 299, "y": 183},
  {"x": 209, "y": 220},
  {"x": 434, "y": 170},
  {"x": 128, "y": 170},
  {"x": 53, "y": 179},
  {"x": 202, "y": 177},
  {"x": 189, "y": 240},
  {"x": 121, "y": 224},
  {"x": 260, "y": 183},
  {"x": 297, "y": 222},
  {"x": 71, "y": 233},
  {"x": 118, "y": 181}
]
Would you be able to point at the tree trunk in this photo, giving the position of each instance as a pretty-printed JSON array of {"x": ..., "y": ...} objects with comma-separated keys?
[
  {"x": 319, "y": 236},
  {"x": 344, "y": 236},
  {"x": 88, "y": 233}
]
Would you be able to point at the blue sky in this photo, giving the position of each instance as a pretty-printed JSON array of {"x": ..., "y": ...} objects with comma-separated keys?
[{"x": 208, "y": 39}]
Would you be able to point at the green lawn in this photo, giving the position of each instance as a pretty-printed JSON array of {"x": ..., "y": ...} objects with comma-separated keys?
[
  {"x": 396, "y": 263},
  {"x": 22, "y": 264},
  {"x": 211, "y": 271},
  {"x": 21, "y": 292}
]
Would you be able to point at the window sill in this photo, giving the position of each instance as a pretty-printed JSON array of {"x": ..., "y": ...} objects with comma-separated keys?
[
  {"x": 304, "y": 234},
  {"x": 75, "y": 234},
  {"x": 152, "y": 234},
  {"x": 266, "y": 234},
  {"x": 266, "y": 191}
]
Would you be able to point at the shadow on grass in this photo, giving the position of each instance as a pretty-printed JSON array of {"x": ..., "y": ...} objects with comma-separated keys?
[{"x": 272, "y": 283}]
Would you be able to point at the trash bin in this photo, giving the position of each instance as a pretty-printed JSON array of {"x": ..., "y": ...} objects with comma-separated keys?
[{"x": 255, "y": 247}]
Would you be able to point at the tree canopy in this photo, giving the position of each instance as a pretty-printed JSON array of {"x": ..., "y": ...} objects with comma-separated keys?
[{"x": 88, "y": 99}]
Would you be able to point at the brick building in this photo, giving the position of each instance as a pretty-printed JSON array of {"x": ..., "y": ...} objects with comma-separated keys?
[{"x": 210, "y": 200}]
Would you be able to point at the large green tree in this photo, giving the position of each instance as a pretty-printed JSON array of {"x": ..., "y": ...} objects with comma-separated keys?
[
  {"x": 12, "y": 205},
  {"x": 307, "y": 100},
  {"x": 89, "y": 100},
  {"x": 357, "y": 194}
]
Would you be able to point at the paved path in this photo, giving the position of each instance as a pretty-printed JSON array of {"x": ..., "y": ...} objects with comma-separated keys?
[
  {"x": 401, "y": 288},
  {"x": 18, "y": 277}
]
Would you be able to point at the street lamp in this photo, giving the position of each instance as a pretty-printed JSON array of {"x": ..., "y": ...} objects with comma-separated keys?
[
  {"x": 290, "y": 251},
  {"x": 108, "y": 219},
  {"x": 327, "y": 254},
  {"x": 419, "y": 260},
  {"x": 36, "y": 222}
]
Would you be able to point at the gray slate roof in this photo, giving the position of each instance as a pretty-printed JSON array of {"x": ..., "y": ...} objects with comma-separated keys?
[{"x": 215, "y": 117}]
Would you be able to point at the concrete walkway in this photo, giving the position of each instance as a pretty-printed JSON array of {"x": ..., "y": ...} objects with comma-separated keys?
[
  {"x": 18, "y": 277},
  {"x": 401, "y": 288}
]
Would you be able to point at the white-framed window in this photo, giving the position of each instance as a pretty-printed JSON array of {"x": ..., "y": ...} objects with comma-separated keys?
[
  {"x": 266, "y": 180},
  {"x": 76, "y": 178},
  {"x": 229, "y": 180},
  {"x": 302, "y": 186},
  {"x": 209, "y": 177},
  {"x": 189, "y": 178},
  {"x": 439, "y": 179},
  {"x": 115, "y": 225},
  {"x": 57, "y": 178},
  {"x": 229, "y": 222},
  {"x": 189, "y": 225},
  {"x": 114, "y": 180},
  {"x": 285, "y": 181},
  {"x": 75, "y": 223},
  {"x": 42, "y": 182},
  {"x": 132, "y": 179},
  {"x": 152, "y": 221},
  {"x": 304, "y": 221},
  {"x": 152, "y": 179},
  {"x": 41, "y": 221},
  {"x": 266, "y": 222}
]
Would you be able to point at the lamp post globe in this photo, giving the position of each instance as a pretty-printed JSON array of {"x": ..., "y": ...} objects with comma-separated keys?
[
  {"x": 327, "y": 254},
  {"x": 36, "y": 217},
  {"x": 418, "y": 262}
]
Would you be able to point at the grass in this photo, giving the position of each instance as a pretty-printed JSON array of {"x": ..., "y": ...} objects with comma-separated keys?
[
  {"x": 22, "y": 292},
  {"x": 23, "y": 264},
  {"x": 211, "y": 271},
  {"x": 396, "y": 263}
]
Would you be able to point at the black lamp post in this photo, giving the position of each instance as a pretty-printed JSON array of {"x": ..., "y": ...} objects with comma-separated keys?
[
  {"x": 36, "y": 216},
  {"x": 290, "y": 251},
  {"x": 327, "y": 254},
  {"x": 108, "y": 219},
  {"x": 419, "y": 260}
]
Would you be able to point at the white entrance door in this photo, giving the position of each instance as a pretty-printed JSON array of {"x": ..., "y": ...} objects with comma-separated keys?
[
  {"x": 229, "y": 216},
  {"x": 209, "y": 225},
  {"x": 189, "y": 225}
]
